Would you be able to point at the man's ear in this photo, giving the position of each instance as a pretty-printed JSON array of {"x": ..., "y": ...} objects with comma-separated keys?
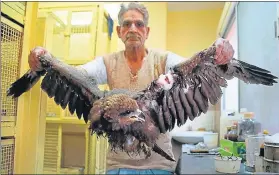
[
  {"x": 147, "y": 32},
  {"x": 118, "y": 31}
]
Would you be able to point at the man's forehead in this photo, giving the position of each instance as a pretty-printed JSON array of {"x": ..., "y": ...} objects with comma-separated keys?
[
  {"x": 132, "y": 15},
  {"x": 132, "y": 20}
]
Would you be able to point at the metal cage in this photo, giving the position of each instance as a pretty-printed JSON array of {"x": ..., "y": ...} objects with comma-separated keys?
[
  {"x": 7, "y": 159},
  {"x": 11, "y": 43},
  {"x": 11, "y": 46}
]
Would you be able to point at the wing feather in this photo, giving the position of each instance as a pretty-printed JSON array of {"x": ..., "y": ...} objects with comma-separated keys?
[
  {"x": 167, "y": 115},
  {"x": 155, "y": 113},
  {"x": 72, "y": 103},
  {"x": 216, "y": 88},
  {"x": 171, "y": 109},
  {"x": 207, "y": 90},
  {"x": 171, "y": 105},
  {"x": 79, "y": 106},
  {"x": 66, "y": 98},
  {"x": 46, "y": 85},
  {"x": 201, "y": 102},
  {"x": 54, "y": 85},
  {"x": 178, "y": 106},
  {"x": 248, "y": 73},
  {"x": 198, "y": 82},
  {"x": 219, "y": 80},
  {"x": 86, "y": 111},
  {"x": 67, "y": 85},
  {"x": 190, "y": 97},
  {"x": 161, "y": 120},
  {"x": 185, "y": 104},
  {"x": 59, "y": 92}
]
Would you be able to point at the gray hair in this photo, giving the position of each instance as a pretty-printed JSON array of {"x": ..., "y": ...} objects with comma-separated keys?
[{"x": 133, "y": 6}]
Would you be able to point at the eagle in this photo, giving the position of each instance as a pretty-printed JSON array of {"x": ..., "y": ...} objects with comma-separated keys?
[{"x": 132, "y": 121}]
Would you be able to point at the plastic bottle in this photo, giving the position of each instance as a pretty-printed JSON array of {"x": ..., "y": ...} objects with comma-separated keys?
[
  {"x": 232, "y": 135},
  {"x": 248, "y": 126}
]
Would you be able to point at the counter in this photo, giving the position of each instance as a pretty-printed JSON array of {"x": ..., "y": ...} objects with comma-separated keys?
[{"x": 199, "y": 164}]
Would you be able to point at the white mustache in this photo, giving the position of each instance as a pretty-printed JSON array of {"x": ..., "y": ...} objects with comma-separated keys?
[{"x": 132, "y": 36}]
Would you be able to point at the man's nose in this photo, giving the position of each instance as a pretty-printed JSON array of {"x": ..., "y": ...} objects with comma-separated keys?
[{"x": 133, "y": 28}]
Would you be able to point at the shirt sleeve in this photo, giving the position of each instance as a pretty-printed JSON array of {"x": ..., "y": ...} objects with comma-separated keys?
[
  {"x": 97, "y": 69},
  {"x": 172, "y": 60}
]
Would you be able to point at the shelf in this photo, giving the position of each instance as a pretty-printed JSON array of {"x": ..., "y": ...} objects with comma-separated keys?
[{"x": 65, "y": 120}]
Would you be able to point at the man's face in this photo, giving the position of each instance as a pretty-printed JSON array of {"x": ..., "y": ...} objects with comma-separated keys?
[{"x": 133, "y": 31}]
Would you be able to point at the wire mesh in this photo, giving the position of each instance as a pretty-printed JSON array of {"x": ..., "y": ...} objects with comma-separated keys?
[
  {"x": 11, "y": 41},
  {"x": 7, "y": 160}
]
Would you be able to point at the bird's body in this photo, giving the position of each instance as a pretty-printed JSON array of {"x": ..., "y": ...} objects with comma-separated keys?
[{"x": 132, "y": 121}]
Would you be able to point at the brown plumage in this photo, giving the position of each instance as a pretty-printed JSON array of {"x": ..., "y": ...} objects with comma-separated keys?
[
  {"x": 119, "y": 117},
  {"x": 132, "y": 121}
]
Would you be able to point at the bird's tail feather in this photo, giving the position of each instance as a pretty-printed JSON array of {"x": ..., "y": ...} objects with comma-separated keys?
[
  {"x": 159, "y": 150},
  {"x": 23, "y": 84}
]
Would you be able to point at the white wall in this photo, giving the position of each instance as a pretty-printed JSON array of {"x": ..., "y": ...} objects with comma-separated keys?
[
  {"x": 230, "y": 98},
  {"x": 258, "y": 45},
  {"x": 203, "y": 121}
]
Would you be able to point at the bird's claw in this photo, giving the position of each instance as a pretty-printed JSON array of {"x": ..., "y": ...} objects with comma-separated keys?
[{"x": 146, "y": 149}]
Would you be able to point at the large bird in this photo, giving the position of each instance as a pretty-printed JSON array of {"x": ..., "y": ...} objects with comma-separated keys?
[{"x": 132, "y": 121}]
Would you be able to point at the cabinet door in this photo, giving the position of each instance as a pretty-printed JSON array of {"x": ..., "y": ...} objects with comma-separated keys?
[{"x": 11, "y": 46}]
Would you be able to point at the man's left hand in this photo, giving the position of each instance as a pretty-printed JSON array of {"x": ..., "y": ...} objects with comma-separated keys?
[{"x": 224, "y": 51}]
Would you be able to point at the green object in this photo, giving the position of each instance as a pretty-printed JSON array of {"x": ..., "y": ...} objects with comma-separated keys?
[{"x": 229, "y": 148}]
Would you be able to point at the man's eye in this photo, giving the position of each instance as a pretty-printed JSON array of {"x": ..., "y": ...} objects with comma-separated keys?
[
  {"x": 140, "y": 24},
  {"x": 126, "y": 24}
]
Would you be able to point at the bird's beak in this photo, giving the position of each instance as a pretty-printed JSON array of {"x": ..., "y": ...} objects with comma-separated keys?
[{"x": 137, "y": 116}]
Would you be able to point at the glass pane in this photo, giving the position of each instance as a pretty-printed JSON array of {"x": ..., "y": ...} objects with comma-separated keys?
[
  {"x": 62, "y": 15},
  {"x": 81, "y": 18}
]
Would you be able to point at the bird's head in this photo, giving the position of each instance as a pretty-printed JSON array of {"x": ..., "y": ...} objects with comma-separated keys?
[{"x": 120, "y": 110}]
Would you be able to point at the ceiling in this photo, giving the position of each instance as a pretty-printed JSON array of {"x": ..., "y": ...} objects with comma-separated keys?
[{"x": 182, "y": 6}]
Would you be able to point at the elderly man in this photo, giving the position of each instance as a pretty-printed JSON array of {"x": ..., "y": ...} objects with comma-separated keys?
[{"x": 134, "y": 68}]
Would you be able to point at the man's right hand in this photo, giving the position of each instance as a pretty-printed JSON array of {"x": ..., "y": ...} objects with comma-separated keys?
[{"x": 33, "y": 58}]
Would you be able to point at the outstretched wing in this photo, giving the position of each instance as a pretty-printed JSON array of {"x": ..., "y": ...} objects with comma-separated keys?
[
  {"x": 64, "y": 83},
  {"x": 197, "y": 82}
]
